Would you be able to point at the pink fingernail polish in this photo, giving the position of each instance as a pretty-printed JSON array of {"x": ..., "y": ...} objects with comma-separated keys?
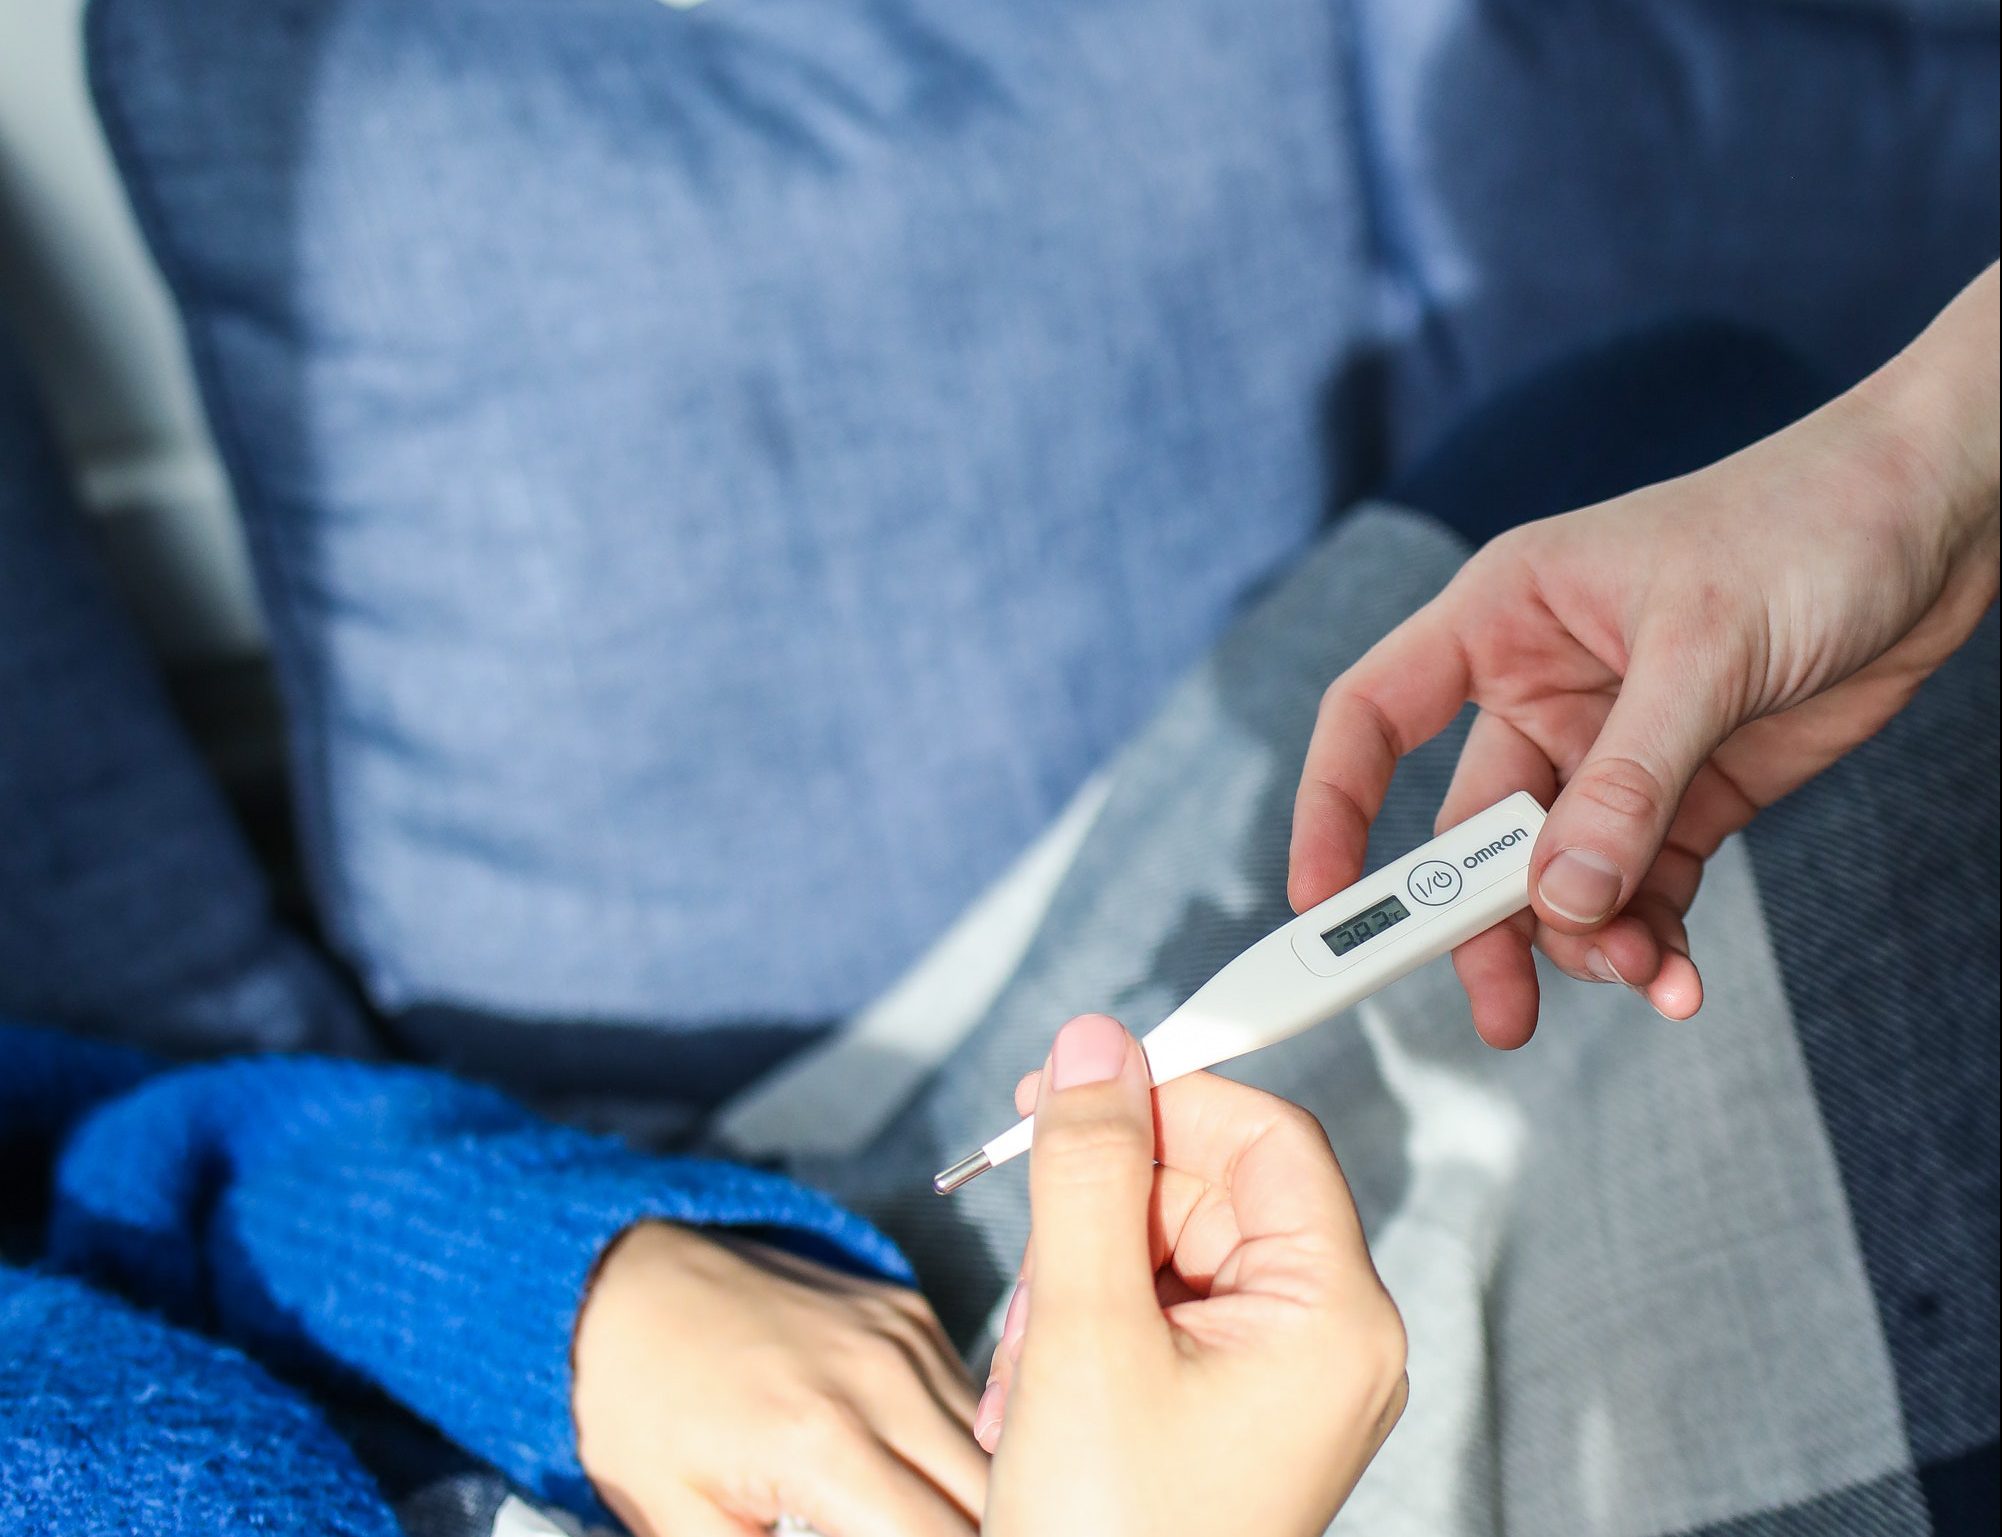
[{"x": 1090, "y": 1049}]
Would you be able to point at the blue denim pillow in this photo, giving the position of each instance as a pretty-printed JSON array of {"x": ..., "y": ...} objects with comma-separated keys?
[
  {"x": 129, "y": 904},
  {"x": 721, "y": 478}
]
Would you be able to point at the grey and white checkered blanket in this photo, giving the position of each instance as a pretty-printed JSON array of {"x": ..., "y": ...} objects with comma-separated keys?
[{"x": 1731, "y": 1276}]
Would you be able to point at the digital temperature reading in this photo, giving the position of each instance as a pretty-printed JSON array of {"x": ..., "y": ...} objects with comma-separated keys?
[{"x": 1367, "y": 924}]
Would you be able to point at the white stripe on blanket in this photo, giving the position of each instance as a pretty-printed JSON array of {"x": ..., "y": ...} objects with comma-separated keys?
[{"x": 1621, "y": 1325}]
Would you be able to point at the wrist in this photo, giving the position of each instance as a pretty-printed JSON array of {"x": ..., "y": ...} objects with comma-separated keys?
[
  {"x": 1929, "y": 423},
  {"x": 609, "y": 1334}
]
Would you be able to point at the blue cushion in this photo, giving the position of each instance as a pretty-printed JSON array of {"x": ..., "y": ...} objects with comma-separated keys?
[
  {"x": 129, "y": 903},
  {"x": 720, "y": 478}
]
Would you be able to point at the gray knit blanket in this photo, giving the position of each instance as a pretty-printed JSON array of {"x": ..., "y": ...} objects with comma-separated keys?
[{"x": 1733, "y": 1276}]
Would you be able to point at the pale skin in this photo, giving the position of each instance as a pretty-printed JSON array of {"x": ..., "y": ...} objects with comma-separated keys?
[
  {"x": 1199, "y": 1324},
  {"x": 1201, "y": 1283},
  {"x": 1661, "y": 667},
  {"x": 721, "y": 1384},
  {"x": 1199, "y": 1342}
]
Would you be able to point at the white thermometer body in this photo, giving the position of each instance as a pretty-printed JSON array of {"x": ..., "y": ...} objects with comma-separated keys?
[{"x": 1334, "y": 955}]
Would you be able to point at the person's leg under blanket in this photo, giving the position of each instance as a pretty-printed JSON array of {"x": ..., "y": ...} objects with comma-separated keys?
[{"x": 1637, "y": 1298}]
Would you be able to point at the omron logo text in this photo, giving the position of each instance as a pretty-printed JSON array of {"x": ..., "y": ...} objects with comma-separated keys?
[{"x": 1512, "y": 836}]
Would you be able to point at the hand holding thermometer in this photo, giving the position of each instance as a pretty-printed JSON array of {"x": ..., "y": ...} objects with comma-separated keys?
[{"x": 1333, "y": 955}]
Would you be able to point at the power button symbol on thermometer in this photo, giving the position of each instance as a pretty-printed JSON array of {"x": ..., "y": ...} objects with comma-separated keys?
[{"x": 1434, "y": 883}]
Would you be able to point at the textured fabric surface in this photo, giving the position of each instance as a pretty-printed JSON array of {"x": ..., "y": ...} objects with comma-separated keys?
[
  {"x": 129, "y": 902},
  {"x": 113, "y": 1424},
  {"x": 1658, "y": 1279},
  {"x": 1887, "y": 939},
  {"x": 360, "y": 1231},
  {"x": 1545, "y": 172},
  {"x": 1663, "y": 400},
  {"x": 721, "y": 478}
]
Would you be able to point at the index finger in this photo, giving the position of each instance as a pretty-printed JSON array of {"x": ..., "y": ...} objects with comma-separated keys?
[
  {"x": 1403, "y": 691},
  {"x": 1271, "y": 1156}
]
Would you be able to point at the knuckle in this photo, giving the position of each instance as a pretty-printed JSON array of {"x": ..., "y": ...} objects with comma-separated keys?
[
  {"x": 1087, "y": 1145},
  {"x": 1394, "y": 1343},
  {"x": 1496, "y": 555},
  {"x": 1623, "y": 787},
  {"x": 881, "y": 1311},
  {"x": 915, "y": 1341},
  {"x": 1301, "y": 1128},
  {"x": 1493, "y": 562},
  {"x": 874, "y": 1352},
  {"x": 826, "y": 1428},
  {"x": 1393, "y": 1408},
  {"x": 1386, "y": 1347},
  {"x": 1372, "y": 1353},
  {"x": 912, "y": 1308}
]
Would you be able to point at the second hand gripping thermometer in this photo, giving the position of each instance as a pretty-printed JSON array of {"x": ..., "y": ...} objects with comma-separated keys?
[{"x": 1333, "y": 955}]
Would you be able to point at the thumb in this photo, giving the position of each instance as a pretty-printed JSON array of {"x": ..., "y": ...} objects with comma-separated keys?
[
  {"x": 1091, "y": 1181},
  {"x": 1613, "y": 814}
]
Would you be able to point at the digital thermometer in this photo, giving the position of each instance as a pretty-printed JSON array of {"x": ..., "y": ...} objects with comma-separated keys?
[{"x": 1333, "y": 955}]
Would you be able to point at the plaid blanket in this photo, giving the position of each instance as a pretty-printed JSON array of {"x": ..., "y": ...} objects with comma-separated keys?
[{"x": 1735, "y": 1276}]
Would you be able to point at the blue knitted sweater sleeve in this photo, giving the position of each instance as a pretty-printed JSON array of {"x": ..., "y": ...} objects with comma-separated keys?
[{"x": 399, "y": 1227}]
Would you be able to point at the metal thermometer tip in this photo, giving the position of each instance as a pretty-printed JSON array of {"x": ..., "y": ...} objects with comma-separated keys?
[{"x": 948, "y": 1180}]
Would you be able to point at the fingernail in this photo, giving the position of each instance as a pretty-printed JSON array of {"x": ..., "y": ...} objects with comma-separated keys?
[
  {"x": 1018, "y": 1315},
  {"x": 1090, "y": 1049},
  {"x": 987, "y": 1417},
  {"x": 1581, "y": 885},
  {"x": 1597, "y": 964}
]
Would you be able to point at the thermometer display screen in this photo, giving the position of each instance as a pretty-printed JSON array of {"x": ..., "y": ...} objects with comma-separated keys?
[{"x": 1365, "y": 925}]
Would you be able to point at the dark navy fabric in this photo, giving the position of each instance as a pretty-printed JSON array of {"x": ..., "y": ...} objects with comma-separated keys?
[
  {"x": 1891, "y": 1506},
  {"x": 1881, "y": 887},
  {"x": 1545, "y": 173},
  {"x": 1644, "y": 407},
  {"x": 129, "y": 902},
  {"x": 1964, "y": 1493}
]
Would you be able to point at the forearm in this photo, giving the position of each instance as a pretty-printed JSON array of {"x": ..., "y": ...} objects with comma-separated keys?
[{"x": 428, "y": 1236}]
